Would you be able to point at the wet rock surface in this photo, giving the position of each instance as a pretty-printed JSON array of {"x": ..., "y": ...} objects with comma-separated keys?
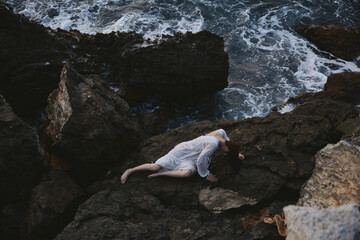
[{"x": 341, "y": 41}]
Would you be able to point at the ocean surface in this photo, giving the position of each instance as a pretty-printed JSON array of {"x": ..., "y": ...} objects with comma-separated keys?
[{"x": 269, "y": 61}]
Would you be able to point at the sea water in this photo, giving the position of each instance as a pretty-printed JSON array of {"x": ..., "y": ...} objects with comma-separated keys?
[{"x": 269, "y": 61}]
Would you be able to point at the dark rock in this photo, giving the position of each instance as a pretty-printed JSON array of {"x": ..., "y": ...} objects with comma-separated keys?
[
  {"x": 261, "y": 231},
  {"x": 53, "y": 12},
  {"x": 344, "y": 87},
  {"x": 25, "y": 42},
  {"x": 20, "y": 160},
  {"x": 134, "y": 214},
  {"x": 183, "y": 66},
  {"x": 30, "y": 86},
  {"x": 117, "y": 214},
  {"x": 13, "y": 224},
  {"x": 340, "y": 87},
  {"x": 155, "y": 122},
  {"x": 88, "y": 124},
  {"x": 55, "y": 197},
  {"x": 343, "y": 42}
]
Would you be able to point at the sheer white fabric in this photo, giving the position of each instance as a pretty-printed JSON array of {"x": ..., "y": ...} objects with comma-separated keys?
[
  {"x": 223, "y": 134},
  {"x": 193, "y": 155}
]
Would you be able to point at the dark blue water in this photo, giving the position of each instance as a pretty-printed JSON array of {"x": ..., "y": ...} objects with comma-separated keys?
[{"x": 269, "y": 61}]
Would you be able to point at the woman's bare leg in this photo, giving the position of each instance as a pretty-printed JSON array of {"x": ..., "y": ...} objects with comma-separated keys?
[
  {"x": 144, "y": 167},
  {"x": 177, "y": 174}
]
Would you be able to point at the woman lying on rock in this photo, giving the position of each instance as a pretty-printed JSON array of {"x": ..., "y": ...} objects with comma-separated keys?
[{"x": 187, "y": 157}]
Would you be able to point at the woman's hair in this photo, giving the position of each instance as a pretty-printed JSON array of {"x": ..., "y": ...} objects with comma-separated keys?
[{"x": 234, "y": 148}]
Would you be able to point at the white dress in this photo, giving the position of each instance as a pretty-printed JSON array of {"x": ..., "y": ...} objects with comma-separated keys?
[{"x": 192, "y": 155}]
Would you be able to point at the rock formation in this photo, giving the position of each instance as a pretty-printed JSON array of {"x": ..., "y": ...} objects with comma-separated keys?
[
  {"x": 342, "y": 41},
  {"x": 328, "y": 207},
  {"x": 279, "y": 152},
  {"x": 176, "y": 63},
  {"x": 335, "y": 179},
  {"x": 87, "y": 124}
]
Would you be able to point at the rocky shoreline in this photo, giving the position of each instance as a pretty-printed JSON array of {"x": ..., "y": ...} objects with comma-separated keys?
[{"x": 61, "y": 181}]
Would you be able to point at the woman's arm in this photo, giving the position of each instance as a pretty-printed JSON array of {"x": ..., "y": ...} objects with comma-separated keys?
[
  {"x": 223, "y": 134},
  {"x": 202, "y": 162}
]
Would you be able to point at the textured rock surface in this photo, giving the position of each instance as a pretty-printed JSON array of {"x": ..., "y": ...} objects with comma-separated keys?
[
  {"x": 183, "y": 65},
  {"x": 336, "y": 177},
  {"x": 308, "y": 223},
  {"x": 343, "y": 42},
  {"x": 49, "y": 202},
  {"x": 88, "y": 124},
  {"x": 20, "y": 160},
  {"x": 126, "y": 213},
  {"x": 155, "y": 123},
  {"x": 220, "y": 199}
]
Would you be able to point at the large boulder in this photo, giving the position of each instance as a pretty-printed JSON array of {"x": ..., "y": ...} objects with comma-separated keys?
[
  {"x": 307, "y": 223},
  {"x": 342, "y": 41},
  {"x": 21, "y": 163},
  {"x": 336, "y": 178},
  {"x": 181, "y": 65},
  {"x": 88, "y": 124}
]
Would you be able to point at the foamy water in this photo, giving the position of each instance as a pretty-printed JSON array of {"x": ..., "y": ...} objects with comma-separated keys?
[{"x": 269, "y": 61}]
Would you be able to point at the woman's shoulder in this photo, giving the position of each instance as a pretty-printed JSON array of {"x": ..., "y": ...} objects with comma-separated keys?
[{"x": 219, "y": 132}]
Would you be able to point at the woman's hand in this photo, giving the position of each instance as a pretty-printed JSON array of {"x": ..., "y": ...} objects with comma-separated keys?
[
  {"x": 212, "y": 178},
  {"x": 241, "y": 156}
]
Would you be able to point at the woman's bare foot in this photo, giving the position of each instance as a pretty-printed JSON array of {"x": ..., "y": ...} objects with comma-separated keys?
[
  {"x": 153, "y": 175},
  {"x": 125, "y": 176}
]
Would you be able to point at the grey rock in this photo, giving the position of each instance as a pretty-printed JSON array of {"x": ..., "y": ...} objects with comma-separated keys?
[
  {"x": 336, "y": 177},
  {"x": 220, "y": 199},
  {"x": 308, "y": 223}
]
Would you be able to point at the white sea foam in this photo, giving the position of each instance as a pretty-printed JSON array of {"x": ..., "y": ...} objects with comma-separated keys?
[
  {"x": 287, "y": 108},
  {"x": 285, "y": 51},
  {"x": 133, "y": 16}
]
